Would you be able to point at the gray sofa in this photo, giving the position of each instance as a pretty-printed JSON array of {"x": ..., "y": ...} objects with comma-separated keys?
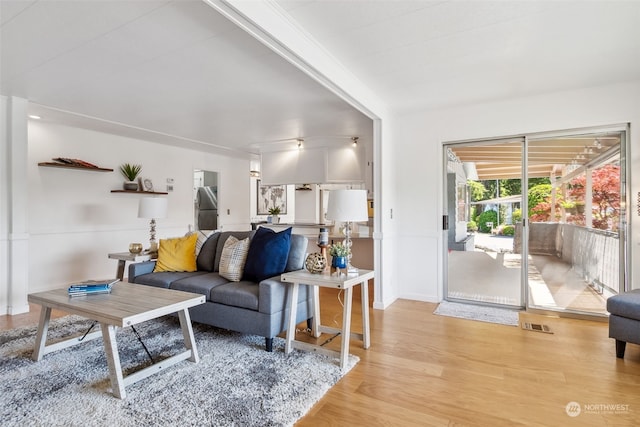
[
  {"x": 247, "y": 307},
  {"x": 624, "y": 321}
]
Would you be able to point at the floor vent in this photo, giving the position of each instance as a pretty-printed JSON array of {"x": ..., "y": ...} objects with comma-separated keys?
[{"x": 536, "y": 327}]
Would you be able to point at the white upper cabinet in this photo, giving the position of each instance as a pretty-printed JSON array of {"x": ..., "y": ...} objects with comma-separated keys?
[{"x": 313, "y": 166}]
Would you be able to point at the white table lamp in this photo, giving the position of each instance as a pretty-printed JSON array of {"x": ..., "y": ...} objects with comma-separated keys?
[
  {"x": 153, "y": 208},
  {"x": 348, "y": 206}
]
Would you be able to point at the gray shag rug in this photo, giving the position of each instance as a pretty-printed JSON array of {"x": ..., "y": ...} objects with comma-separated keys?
[
  {"x": 236, "y": 383},
  {"x": 503, "y": 316}
]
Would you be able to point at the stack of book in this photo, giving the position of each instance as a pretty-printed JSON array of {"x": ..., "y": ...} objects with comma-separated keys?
[{"x": 91, "y": 287}]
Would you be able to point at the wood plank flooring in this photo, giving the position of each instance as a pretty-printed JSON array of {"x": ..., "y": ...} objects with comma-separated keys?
[{"x": 428, "y": 370}]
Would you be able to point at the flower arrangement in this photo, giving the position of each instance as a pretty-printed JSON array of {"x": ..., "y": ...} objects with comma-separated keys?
[{"x": 338, "y": 250}]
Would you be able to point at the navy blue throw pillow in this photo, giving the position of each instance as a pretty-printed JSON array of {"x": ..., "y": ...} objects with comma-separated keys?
[{"x": 268, "y": 254}]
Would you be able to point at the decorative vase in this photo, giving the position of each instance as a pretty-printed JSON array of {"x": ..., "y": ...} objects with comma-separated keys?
[
  {"x": 275, "y": 219},
  {"x": 135, "y": 248},
  {"x": 339, "y": 262},
  {"x": 130, "y": 186}
]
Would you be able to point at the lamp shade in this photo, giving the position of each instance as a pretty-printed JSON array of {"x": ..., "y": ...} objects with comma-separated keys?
[
  {"x": 347, "y": 205},
  {"x": 152, "y": 207}
]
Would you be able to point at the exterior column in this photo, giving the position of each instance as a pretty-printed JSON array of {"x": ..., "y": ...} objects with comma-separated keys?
[{"x": 588, "y": 199}]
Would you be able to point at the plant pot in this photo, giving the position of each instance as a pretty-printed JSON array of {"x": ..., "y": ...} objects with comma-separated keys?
[
  {"x": 339, "y": 262},
  {"x": 580, "y": 209},
  {"x": 275, "y": 219},
  {"x": 130, "y": 186}
]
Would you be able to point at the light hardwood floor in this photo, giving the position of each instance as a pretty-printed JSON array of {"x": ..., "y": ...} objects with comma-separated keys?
[{"x": 424, "y": 369}]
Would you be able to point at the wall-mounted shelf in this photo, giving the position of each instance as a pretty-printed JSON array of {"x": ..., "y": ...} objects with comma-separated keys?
[
  {"x": 138, "y": 192},
  {"x": 78, "y": 167}
]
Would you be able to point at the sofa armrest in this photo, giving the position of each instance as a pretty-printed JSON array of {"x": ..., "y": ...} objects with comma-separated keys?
[
  {"x": 140, "y": 268},
  {"x": 274, "y": 295}
]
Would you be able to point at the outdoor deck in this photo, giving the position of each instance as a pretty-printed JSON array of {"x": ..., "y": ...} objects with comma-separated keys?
[{"x": 491, "y": 274}]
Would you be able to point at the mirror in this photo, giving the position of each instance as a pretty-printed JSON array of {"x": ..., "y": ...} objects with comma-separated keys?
[{"x": 205, "y": 199}]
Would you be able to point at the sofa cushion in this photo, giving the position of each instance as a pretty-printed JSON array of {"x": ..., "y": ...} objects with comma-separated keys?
[
  {"x": 199, "y": 284},
  {"x": 237, "y": 294},
  {"x": 164, "y": 279},
  {"x": 223, "y": 238},
  {"x": 297, "y": 252},
  {"x": 178, "y": 254},
  {"x": 207, "y": 254},
  {"x": 234, "y": 255},
  {"x": 268, "y": 254}
]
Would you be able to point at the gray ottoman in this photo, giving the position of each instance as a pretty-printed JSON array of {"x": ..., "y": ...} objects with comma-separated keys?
[{"x": 624, "y": 322}]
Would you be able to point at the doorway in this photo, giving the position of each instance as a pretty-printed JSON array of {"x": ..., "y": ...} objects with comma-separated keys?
[
  {"x": 205, "y": 199},
  {"x": 537, "y": 221}
]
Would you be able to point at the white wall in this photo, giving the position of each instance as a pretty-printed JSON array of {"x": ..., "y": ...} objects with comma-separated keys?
[
  {"x": 75, "y": 220},
  {"x": 419, "y": 166}
]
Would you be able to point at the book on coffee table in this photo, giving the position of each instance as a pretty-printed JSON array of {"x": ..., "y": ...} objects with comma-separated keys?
[{"x": 91, "y": 287}]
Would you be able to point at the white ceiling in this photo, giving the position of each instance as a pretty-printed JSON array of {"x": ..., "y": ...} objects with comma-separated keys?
[
  {"x": 432, "y": 54},
  {"x": 181, "y": 70},
  {"x": 177, "y": 68}
]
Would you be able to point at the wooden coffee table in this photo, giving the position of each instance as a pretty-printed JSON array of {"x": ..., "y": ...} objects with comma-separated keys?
[{"x": 126, "y": 305}]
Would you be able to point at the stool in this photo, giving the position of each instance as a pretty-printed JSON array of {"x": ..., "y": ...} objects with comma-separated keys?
[{"x": 624, "y": 321}]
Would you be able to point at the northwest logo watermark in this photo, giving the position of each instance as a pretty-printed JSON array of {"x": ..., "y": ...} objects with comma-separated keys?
[{"x": 573, "y": 409}]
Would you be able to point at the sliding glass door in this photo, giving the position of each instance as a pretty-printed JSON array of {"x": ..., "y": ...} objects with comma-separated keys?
[
  {"x": 483, "y": 209},
  {"x": 576, "y": 234},
  {"x": 537, "y": 221}
]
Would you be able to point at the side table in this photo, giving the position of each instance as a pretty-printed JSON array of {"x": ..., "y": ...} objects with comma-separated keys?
[
  {"x": 123, "y": 257},
  {"x": 328, "y": 280}
]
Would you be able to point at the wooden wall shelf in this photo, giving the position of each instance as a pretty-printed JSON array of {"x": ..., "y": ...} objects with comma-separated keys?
[
  {"x": 138, "y": 192},
  {"x": 77, "y": 167}
]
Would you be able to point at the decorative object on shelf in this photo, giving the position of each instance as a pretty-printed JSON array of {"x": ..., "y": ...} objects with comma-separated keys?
[
  {"x": 348, "y": 206},
  {"x": 130, "y": 172},
  {"x": 152, "y": 208},
  {"x": 270, "y": 196},
  {"x": 275, "y": 215},
  {"x": 315, "y": 263},
  {"x": 135, "y": 248},
  {"x": 63, "y": 162},
  {"x": 323, "y": 237},
  {"x": 146, "y": 184}
]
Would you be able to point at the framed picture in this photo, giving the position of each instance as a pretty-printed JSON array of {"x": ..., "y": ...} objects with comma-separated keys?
[
  {"x": 147, "y": 184},
  {"x": 270, "y": 196}
]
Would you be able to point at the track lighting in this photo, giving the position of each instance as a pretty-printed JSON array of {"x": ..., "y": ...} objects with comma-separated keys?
[
  {"x": 355, "y": 140},
  {"x": 300, "y": 141}
]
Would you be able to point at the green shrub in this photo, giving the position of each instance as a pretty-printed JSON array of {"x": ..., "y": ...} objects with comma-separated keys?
[
  {"x": 508, "y": 230},
  {"x": 487, "y": 216},
  {"x": 472, "y": 226},
  {"x": 516, "y": 215}
]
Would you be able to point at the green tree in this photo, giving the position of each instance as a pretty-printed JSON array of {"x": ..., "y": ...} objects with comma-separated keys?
[{"x": 477, "y": 191}]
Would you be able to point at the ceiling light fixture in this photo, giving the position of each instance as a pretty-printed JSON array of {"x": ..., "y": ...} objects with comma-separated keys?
[
  {"x": 355, "y": 140},
  {"x": 300, "y": 141},
  {"x": 597, "y": 144}
]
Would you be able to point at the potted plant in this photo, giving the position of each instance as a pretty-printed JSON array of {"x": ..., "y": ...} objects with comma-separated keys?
[
  {"x": 275, "y": 214},
  {"x": 130, "y": 172},
  {"x": 339, "y": 253}
]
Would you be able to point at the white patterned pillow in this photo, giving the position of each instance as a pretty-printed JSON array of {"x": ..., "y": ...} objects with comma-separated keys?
[
  {"x": 203, "y": 235},
  {"x": 234, "y": 255}
]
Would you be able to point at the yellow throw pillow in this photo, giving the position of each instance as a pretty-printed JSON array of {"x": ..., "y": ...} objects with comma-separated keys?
[
  {"x": 177, "y": 254},
  {"x": 234, "y": 255}
]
